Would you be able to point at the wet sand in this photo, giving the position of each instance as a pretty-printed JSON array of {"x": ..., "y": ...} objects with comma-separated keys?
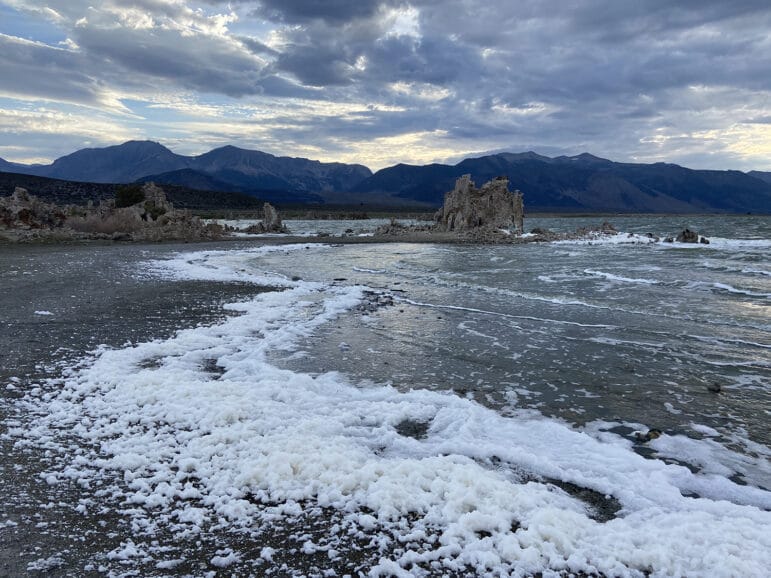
[{"x": 58, "y": 303}]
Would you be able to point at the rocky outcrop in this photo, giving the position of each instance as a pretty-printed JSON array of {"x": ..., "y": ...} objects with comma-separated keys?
[
  {"x": 271, "y": 219},
  {"x": 688, "y": 236},
  {"x": 23, "y": 217},
  {"x": 395, "y": 228},
  {"x": 491, "y": 214},
  {"x": 594, "y": 233},
  {"x": 271, "y": 222},
  {"x": 26, "y": 212},
  {"x": 491, "y": 207}
]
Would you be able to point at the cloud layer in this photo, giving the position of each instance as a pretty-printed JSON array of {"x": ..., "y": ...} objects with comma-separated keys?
[{"x": 381, "y": 82}]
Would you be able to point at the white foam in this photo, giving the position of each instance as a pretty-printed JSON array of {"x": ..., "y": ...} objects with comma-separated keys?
[
  {"x": 619, "y": 278},
  {"x": 715, "y": 243},
  {"x": 225, "y": 265},
  {"x": 725, "y": 287},
  {"x": 598, "y": 238},
  {"x": 733, "y": 244},
  {"x": 373, "y": 271},
  {"x": 752, "y": 271},
  {"x": 188, "y": 448},
  {"x": 713, "y": 458}
]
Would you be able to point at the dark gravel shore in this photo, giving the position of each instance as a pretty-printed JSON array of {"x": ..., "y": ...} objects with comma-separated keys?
[{"x": 58, "y": 303}]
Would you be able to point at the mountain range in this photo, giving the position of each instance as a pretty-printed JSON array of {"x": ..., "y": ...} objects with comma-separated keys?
[{"x": 582, "y": 183}]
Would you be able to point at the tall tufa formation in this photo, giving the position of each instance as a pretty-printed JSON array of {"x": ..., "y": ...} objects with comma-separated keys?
[
  {"x": 492, "y": 207},
  {"x": 271, "y": 222}
]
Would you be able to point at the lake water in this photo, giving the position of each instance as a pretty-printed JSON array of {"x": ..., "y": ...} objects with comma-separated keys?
[{"x": 447, "y": 409}]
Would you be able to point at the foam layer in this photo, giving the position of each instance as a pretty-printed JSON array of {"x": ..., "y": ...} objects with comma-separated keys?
[{"x": 204, "y": 429}]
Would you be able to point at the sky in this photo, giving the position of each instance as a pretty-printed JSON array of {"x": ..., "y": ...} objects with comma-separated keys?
[{"x": 383, "y": 82}]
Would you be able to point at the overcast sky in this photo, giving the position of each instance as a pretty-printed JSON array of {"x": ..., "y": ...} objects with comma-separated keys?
[{"x": 381, "y": 82}]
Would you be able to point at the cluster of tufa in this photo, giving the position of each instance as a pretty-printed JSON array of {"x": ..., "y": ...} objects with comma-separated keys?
[
  {"x": 493, "y": 206},
  {"x": 141, "y": 213}
]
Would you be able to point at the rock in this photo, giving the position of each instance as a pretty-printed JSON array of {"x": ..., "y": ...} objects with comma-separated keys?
[
  {"x": 23, "y": 211},
  {"x": 395, "y": 228},
  {"x": 412, "y": 428},
  {"x": 651, "y": 434},
  {"x": 687, "y": 236},
  {"x": 271, "y": 222},
  {"x": 467, "y": 208},
  {"x": 546, "y": 235},
  {"x": 152, "y": 218},
  {"x": 608, "y": 228}
]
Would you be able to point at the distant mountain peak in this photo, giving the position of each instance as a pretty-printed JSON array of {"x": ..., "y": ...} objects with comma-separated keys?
[
  {"x": 583, "y": 158},
  {"x": 134, "y": 145},
  {"x": 529, "y": 156},
  {"x": 229, "y": 148}
]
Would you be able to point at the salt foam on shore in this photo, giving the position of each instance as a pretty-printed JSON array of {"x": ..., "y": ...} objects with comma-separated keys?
[{"x": 193, "y": 448}]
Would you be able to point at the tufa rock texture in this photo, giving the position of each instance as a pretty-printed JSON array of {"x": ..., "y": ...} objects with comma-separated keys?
[
  {"x": 271, "y": 222},
  {"x": 492, "y": 207},
  {"x": 23, "y": 217},
  {"x": 492, "y": 214},
  {"x": 25, "y": 212},
  {"x": 688, "y": 236}
]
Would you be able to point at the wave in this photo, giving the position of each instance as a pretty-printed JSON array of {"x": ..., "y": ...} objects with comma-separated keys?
[
  {"x": 727, "y": 268},
  {"x": 187, "y": 448},
  {"x": 620, "y": 278},
  {"x": 726, "y": 288},
  {"x": 727, "y": 341},
  {"x": 724, "y": 243},
  {"x": 365, "y": 270},
  {"x": 615, "y": 239},
  {"x": 756, "y": 272},
  {"x": 715, "y": 243},
  {"x": 501, "y": 314}
]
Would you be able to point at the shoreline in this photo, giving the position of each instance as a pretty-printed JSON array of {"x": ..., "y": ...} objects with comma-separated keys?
[{"x": 84, "y": 296}]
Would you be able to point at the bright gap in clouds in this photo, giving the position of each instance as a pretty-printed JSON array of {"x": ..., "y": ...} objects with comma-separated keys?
[{"x": 16, "y": 23}]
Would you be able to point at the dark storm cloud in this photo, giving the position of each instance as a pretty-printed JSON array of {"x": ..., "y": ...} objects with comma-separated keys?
[
  {"x": 42, "y": 72},
  {"x": 617, "y": 21},
  {"x": 433, "y": 60},
  {"x": 316, "y": 65},
  {"x": 192, "y": 62},
  {"x": 331, "y": 11}
]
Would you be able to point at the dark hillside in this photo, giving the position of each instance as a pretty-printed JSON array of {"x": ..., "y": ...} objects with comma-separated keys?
[{"x": 76, "y": 193}]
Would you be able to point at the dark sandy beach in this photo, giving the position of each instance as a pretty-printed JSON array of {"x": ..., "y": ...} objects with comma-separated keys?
[{"x": 84, "y": 296}]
